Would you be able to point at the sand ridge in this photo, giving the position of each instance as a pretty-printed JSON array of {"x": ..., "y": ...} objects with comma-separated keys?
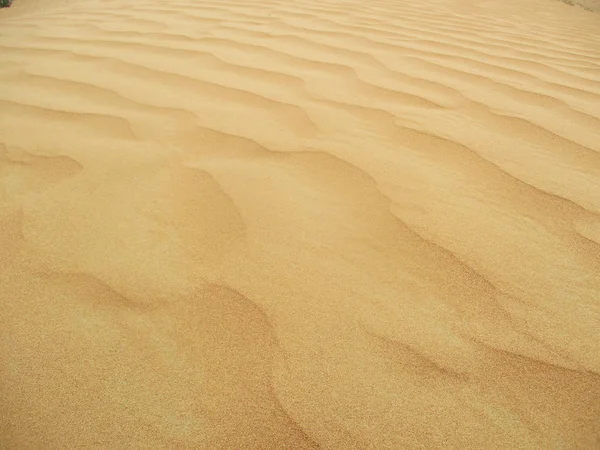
[{"x": 274, "y": 224}]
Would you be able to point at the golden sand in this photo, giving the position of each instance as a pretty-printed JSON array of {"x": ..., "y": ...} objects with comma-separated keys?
[{"x": 282, "y": 224}]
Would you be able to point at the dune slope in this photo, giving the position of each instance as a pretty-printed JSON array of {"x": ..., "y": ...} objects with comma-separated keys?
[{"x": 299, "y": 224}]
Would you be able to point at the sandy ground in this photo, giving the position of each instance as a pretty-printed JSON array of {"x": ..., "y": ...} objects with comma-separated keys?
[
  {"x": 590, "y": 5},
  {"x": 285, "y": 224}
]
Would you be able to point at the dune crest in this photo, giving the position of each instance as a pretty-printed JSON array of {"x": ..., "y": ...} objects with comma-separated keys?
[{"x": 310, "y": 224}]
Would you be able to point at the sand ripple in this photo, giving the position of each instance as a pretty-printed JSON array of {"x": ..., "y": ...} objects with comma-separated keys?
[{"x": 311, "y": 224}]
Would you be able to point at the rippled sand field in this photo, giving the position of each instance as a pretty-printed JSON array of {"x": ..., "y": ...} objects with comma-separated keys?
[{"x": 282, "y": 224}]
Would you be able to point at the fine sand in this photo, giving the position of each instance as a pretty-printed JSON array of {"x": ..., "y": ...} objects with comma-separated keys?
[
  {"x": 590, "y": 5},
  {"x": 277, "y": 224}
]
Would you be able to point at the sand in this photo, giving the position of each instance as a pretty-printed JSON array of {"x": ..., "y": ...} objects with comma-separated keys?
[
  {"x": 301, "y": 224},
  {"x": 589, "y": 5}
]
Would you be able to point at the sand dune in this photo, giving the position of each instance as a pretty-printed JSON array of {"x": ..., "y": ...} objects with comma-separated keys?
[{"x": 310, "y": 224}]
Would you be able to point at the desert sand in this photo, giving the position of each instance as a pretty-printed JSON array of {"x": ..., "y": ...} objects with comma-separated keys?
[{"x": 277, "y": 224}]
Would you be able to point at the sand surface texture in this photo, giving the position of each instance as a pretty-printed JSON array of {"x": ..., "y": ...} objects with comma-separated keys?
[{"x": 299, "y": 224}]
